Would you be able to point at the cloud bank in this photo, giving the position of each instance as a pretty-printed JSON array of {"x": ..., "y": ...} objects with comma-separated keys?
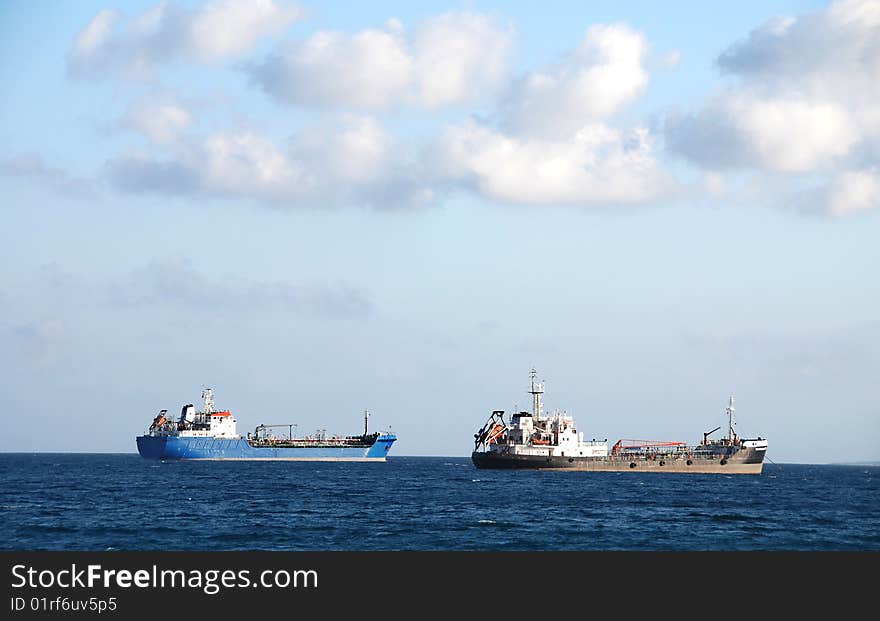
[
  {"x": 449, "y": 59},
  {"x": 111, "y": 46},
  {"x": 550, "y": 137},
  {"x": 805, "y": 101},
  {"x": 801, "y": 111}
]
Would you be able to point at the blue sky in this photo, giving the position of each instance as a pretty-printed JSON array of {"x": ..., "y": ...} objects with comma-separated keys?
[{"x": 405, "y": 206}]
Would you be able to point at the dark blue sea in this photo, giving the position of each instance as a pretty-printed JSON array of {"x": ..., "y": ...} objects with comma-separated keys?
[{"x": 123, "y": 502}]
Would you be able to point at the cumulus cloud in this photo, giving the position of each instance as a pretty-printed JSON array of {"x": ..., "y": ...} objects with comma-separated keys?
[
  {"x": 853, "y": 191},
  {"x": 458, "y": 55},
  {"x": 249, "y": 164},
  {"x": 604, "y": 72},
  {"x": 230, "y": 164},
  {"x": 228, "y": 28},
  {"x": 788, "y": 134},
  {"x": 596, "y": 165},
  {"x": 448, "y": 59},
  {"x": 553, "y": 141},
  {"x": 369, "y": 69},
  {"x": 805, "y": 100},
  {"x": 161, "y": 122},
  {"x": 174, "y": 282},
  {"x": 96, "y": 33},
  {"x": 111, "y": 46},
  {"x": 351, "y": 158},
  {"x": 821, "y": 52},
  {"x": 356, "y": 148}
]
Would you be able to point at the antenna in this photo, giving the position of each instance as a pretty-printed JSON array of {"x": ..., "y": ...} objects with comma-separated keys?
[{"x": 366, "y": 420}]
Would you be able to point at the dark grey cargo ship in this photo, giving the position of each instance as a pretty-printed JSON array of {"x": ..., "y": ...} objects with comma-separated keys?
[{"x": 531, "y": 440}]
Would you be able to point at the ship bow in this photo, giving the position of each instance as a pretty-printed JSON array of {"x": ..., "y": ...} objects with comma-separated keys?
[{"x": 381, "y": 446}]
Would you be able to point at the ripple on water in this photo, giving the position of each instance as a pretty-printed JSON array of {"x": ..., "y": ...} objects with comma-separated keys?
[{"x": 424, "y": 503}]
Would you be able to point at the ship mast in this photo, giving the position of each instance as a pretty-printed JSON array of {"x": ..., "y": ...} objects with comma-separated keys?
[
  {"x": 537, "y": 391},
  {"x": 208, "y": 396},
  {"x": 366, "y": 419},
  {"x": 730, "y": 410}
]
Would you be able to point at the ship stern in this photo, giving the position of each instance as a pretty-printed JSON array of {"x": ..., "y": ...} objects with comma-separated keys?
[{"x": 151, "y": 447}]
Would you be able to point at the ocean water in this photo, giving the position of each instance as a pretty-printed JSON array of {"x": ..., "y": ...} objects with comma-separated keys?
[{"x": 123, "y": 502}]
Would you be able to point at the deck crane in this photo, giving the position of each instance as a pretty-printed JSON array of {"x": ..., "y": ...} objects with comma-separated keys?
[
  {"x": 265, "y": 427},
  {"x": 709, "y": 433}
]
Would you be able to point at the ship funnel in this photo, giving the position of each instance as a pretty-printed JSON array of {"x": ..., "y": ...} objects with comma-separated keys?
[{"x": 188, "y": 413}]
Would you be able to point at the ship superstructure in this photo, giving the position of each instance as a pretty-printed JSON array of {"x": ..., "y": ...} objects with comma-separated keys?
[
  {"x": 534, "y": 440},
  {"x": 212, "y": 434}
]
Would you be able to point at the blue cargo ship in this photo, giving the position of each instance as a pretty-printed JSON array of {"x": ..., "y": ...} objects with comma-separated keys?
[{"x": 211, "y": 434}]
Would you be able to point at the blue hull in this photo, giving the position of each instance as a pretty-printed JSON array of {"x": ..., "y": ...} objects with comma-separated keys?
[{"x": 173, "y": 447}]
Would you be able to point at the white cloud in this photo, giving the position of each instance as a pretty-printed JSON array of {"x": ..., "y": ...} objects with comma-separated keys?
[
  {"x": 819, "y": 53},
  {"x": 95, "y": 34},
  {"x": 216, "y": 31},
  {"x": 369, "y": 69},
  {"x": 161, "y": 122},
  {"x": 605, "y": 72},
  {"x": 786, "y": 133},
  {"x": 794, "y": 135},
  {"x": 550, "y": 144},
  {"x": 246, "y": 164},
  {"x": 854, "y": 191},
  {"x": 351, "y": 158},
  {"x": 232, "y": 27},
  {"x": 554, "y": 142},
  {"x": 357, "y": 149},
  {"x": 806, "y": 100},
  {"x": 460, "y": 55},
  {"x": 597, "y": 165},
  {"x": 451, "y": 58}
]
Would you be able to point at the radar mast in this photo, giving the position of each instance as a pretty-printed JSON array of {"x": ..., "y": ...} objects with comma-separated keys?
[
  {"x": 731, "y": 434},
  {"x": 537, "y": 391},
  {"x": 208, "y": 396}
]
